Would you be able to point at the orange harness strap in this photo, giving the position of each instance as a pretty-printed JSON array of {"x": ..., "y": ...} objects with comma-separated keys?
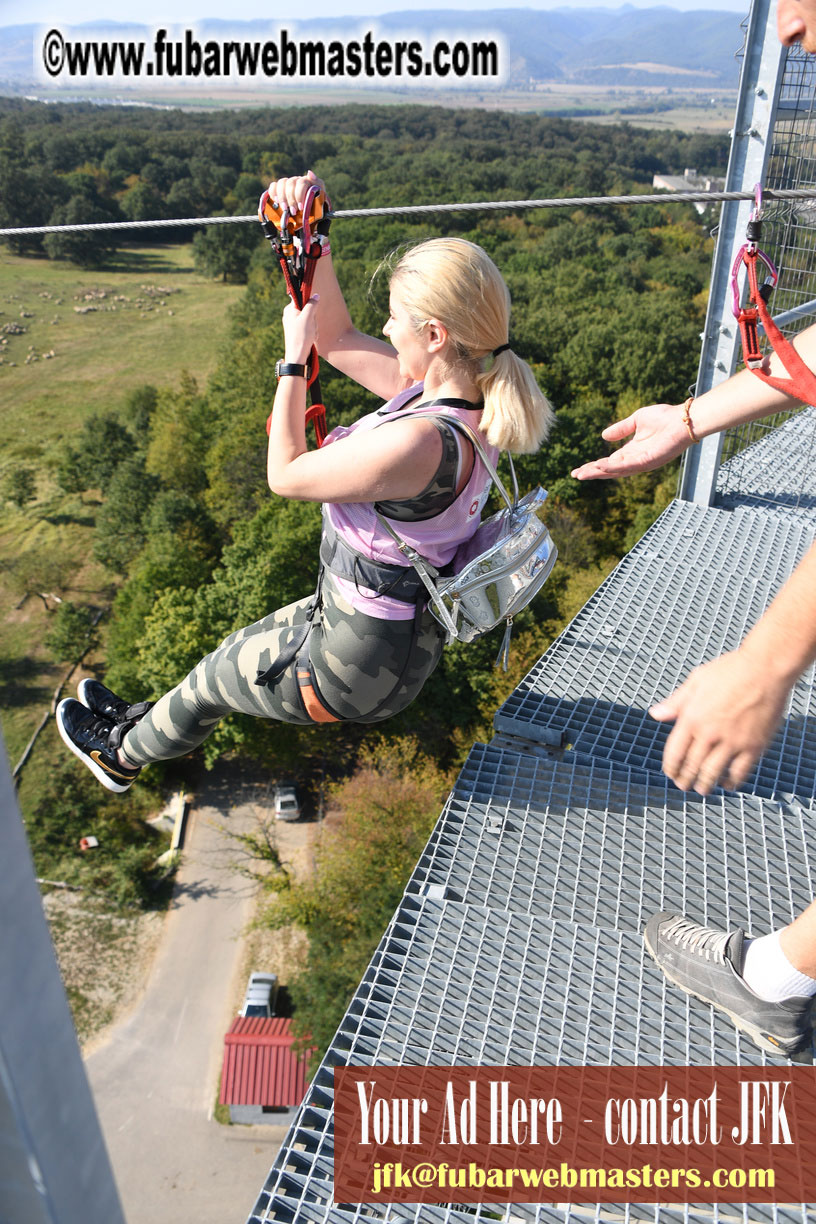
[{"x": 312, "y": 703}]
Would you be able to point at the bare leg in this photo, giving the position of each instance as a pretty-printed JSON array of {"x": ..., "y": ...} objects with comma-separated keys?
[{"x": 798, "y": 941}]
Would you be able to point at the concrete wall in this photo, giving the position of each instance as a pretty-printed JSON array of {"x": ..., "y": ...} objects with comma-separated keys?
[{"x": 253, "y": 1115}]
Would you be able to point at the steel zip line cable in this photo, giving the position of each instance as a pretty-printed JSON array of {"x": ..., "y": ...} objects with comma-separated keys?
[{"x": 662, "y": 197}]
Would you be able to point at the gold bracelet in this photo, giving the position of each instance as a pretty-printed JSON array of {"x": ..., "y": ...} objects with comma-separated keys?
[{"x": 687, "y": 419}]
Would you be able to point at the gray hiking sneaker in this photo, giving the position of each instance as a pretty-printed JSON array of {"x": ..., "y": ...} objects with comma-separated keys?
[{"x": 708, "y": 965}]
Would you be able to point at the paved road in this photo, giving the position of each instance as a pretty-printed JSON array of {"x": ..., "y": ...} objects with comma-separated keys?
[{"x": 155, "y": 1078}]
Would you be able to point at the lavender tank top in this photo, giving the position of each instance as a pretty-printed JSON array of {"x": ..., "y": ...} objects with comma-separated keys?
[{"x": 436, "y": 539}]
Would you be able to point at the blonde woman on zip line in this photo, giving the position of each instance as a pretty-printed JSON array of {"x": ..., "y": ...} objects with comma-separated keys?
[{"x": 361, "y": 648}]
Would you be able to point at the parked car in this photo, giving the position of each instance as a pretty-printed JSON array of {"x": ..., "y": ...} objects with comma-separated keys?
[
  {"x": 286, "y": 803},
  {"x": 261, "y": 995}
]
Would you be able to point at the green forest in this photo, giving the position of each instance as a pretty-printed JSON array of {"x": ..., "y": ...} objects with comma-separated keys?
[{"x": 608, "y": 305}]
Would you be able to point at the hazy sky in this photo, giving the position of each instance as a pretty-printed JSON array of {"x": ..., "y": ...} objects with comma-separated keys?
[{"x": 169, "y": 12}]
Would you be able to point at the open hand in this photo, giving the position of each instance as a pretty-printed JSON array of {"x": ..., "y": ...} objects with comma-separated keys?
[
  {"x": 658, "y": 435},
  {"x": 724, "y": 716}
]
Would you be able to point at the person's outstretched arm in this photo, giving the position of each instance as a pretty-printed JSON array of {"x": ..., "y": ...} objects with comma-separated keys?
[
  {"x": 727, "y": 711},
  {"x": 657, "y": 434}
]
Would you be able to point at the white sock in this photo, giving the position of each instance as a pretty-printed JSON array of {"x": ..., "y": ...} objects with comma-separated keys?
[{"x": 769, "y": 973}]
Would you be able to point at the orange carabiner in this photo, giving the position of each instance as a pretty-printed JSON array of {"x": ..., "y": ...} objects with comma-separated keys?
[
  {"x": 279, "y": 216},
  {"x": 298, "y": 244}
]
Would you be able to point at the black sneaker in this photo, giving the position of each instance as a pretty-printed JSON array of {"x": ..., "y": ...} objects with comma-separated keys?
[
  {"x": 708, "y": 965},
  {"x": 113, "y": 709},
  {"x": 94, "y": 740}
]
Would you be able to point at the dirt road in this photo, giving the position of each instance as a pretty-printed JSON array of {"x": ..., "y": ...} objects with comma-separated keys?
[{"x": 155, "y": 1077}]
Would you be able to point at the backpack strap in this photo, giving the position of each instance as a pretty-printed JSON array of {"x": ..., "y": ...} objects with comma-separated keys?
[
  {"x": 424, "y": 569},
  {"x": 471, "y": 435}
]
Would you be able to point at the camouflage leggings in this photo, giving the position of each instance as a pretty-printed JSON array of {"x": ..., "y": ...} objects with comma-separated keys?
[{"x": 366, "y": 670}]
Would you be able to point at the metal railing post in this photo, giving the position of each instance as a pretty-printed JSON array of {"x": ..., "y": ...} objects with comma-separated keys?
[{"x": 759, "y": 88}]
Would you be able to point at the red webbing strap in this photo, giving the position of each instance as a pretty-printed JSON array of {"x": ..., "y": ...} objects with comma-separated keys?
[
  {"x": 749, "y": 334},
  {"x": 316, "y": 413},
  {"x": 292, "y": 287},
  {"x": 801, "y": 383}
]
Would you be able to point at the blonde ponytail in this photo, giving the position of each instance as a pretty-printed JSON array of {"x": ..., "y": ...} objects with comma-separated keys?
[
  {"x": 517, "y": 415},
  {"x": 457, "y": 283}
]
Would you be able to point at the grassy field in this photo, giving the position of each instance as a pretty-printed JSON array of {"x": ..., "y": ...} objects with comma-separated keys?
[
  {"x": 143, "y": 320},
  {"x": 681, "y": 108}
]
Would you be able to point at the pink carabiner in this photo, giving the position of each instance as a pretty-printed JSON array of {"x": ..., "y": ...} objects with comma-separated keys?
[
  {"x": 757, "y": 202},
  {"x": 735, "y": 270},
  {"x": 770, "y": 265},
  {"x": 306, "y": 213}
]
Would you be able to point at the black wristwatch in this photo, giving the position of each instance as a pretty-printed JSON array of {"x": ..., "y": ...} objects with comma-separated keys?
[{"x": 290, "y": 369}]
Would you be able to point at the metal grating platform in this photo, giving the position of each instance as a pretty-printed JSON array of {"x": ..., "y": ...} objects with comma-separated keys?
[
  {"x": 595, "y": 844},
  {"x": 459, "y": 984},
  {"x": 779, "y": 471},
  {"x": 292, "y": 1208},
  {"x": 689, "y": 590},
  {"x": 518, "y": 940},
  {"x": 317, "y": 1212}
]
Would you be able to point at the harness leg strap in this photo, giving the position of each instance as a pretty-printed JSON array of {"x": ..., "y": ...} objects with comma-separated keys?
[
  {"x": 309, "y": 693},
  {"x": 296, "y": 642}
]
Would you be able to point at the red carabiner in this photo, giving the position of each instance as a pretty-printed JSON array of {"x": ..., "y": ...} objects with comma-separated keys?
[{"x": 801, "y": 381}]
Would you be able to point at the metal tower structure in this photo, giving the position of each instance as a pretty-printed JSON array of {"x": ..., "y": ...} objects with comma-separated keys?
[
  {"x": 54, "y": 1167},
  {"x": 772, "y": 144}
]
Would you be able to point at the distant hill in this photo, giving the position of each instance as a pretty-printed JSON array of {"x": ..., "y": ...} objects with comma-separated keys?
[{"x": 626, "y": 46}]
